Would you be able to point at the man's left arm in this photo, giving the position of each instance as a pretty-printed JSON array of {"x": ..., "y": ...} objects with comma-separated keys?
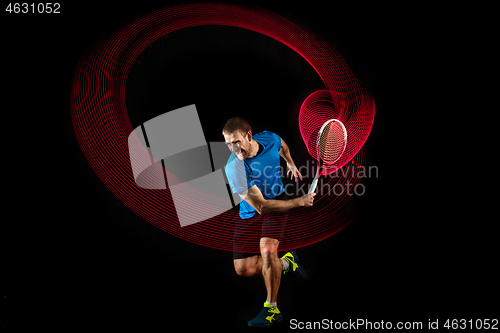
[{"x": 285, "y": 153}]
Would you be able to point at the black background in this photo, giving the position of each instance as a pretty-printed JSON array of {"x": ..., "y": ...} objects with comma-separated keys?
[{"x": 78, "y": 258}]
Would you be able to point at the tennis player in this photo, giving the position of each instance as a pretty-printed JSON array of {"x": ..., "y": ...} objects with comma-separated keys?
[{"x": 253, "y": 171}]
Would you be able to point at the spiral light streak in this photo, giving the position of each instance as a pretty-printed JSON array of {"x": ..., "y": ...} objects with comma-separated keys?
[{"x": 101, "y": 123}]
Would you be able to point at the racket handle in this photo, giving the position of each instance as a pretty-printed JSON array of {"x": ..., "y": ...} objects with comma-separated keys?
[{"x": 314, "y": 183}]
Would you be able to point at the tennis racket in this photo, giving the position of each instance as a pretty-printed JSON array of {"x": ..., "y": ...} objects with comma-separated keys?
[{"x": 331, "y": 143}]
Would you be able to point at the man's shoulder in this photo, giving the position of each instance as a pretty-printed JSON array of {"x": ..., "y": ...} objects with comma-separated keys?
[
  {"x": 230, "y": 161},
  {"x": 266, "y": 135},
  {"x": 233, "y": 163}
]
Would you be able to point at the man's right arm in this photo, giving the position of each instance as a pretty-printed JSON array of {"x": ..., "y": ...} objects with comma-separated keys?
[{"x": 253, "y": 196}]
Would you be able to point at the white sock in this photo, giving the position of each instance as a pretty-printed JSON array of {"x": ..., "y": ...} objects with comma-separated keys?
[
  {"x": 274, "y": 305},
  {"x": 285, "y": 264}
]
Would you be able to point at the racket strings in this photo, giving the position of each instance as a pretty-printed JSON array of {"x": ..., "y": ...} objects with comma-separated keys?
[{"x": 332, "y": 142}]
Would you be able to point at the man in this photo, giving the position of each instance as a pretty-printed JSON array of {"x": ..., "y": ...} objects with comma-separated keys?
[{"x": 253, "y": 171}]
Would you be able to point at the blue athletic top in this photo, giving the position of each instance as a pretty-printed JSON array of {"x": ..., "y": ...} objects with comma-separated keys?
[{"x": 262, "y": 170}]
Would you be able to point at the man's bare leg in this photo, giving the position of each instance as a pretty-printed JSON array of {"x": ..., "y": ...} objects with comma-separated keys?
[
  {"x": 271, "y": 267},
  {"x": 249, "y": 266},
  {"x": 268, "y": 264}
]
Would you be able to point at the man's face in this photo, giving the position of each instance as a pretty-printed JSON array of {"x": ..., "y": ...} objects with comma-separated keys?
[{"x": 238, "y": 143}]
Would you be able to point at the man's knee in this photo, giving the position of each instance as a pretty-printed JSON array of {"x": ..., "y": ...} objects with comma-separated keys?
[
  {"x": 245, "y": 267},
  {"x": 268, "y": 246}
]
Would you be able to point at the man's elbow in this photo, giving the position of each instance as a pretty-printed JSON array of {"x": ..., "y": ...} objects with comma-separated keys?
[{"x": 261, "y": 207}]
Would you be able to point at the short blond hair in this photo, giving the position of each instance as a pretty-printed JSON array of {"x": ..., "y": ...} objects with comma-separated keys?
[{"x": 237, "y": 124}]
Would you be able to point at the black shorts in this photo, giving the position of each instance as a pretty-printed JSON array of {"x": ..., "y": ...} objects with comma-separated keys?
[{"x": 248, "y": 232}]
